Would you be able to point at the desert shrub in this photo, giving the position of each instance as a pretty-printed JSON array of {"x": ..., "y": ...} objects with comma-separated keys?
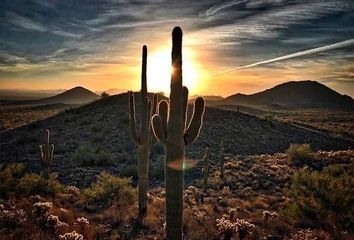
[
  {"x": 9, "y": 178},
  {"x": 130, "y": 170},
  {"x": 88, "y": 155},
  {"x": 323, "y": 199},
  {"x": 300, "y": 154},
  {"x": 107, "y": 187},
  {"x": 32, "y": 184}
]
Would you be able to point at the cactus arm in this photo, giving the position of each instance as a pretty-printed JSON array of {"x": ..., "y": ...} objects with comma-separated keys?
[
  {"x": 51, "y": 154},
  {"x": 46, "y": 141},
  {"x": 154, "y": 105},
  {"x": 132, "y": 119},
  {"x": 163, "y": 112},
  {"x": 41, "y": 152},
  {"x": 196, "y": 121},
  {"x": 148, "y": 111},
  {"x": 157, "y": 126},
  {"x": 185, "y": 104},
  {"x": 152, "y": 112}
]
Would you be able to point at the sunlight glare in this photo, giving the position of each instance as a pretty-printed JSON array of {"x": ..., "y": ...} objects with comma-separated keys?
[{"x": 159, "y": 71}]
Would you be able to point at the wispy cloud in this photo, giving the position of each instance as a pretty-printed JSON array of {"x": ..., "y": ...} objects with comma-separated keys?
[
  {"x": 25, "y": 23},
  {"x": 329, "y": 47},
  {"x": 219, "y": 7}
]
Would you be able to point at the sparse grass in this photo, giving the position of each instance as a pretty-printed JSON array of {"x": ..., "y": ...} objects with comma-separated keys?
[
  {"x": 88, "y": 155},
  {"x": 15, "y": 116}
]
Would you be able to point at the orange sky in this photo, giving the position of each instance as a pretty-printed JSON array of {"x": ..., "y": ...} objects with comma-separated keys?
[
  {"x": 97, "y": 45},
  {"x": 200, "y": 75}
]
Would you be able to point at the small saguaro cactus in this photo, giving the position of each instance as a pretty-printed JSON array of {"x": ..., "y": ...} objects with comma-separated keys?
[
  {"x": 170, "y": 128},
  {"x": 221, "y": 158},
  {"x": 47, "y": 151},
  {"x": 143, "y": 138},
  {"x": 206, "y": 169}
]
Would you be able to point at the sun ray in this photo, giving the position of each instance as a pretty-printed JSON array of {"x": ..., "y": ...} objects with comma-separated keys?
[{"x": 159, "y": 71}]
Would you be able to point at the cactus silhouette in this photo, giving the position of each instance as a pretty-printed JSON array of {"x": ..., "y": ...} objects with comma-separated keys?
[
  {"x": 143, "y": 138},
  {"x": 46, "y": 151},
  {"x": 221, "y": 158},
  {"x": 206, "y": 169},
  {"x": 169, "y": 126}
]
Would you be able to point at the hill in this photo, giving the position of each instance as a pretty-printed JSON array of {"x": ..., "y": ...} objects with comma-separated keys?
[
  {"x": 76, "y": 95},
  {"x": 104, "y": 124},
  {"x": 300, "y": 94}
]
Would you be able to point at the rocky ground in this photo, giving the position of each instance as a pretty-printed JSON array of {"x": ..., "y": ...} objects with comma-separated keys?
[{"x": 104, "y": 124}]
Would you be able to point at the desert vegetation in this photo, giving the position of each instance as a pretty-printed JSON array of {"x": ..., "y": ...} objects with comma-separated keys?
[{"x": 95, "y": 184}]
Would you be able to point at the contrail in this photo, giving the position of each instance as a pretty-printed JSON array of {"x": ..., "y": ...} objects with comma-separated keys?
[
  {"x": 342, "y": 44},
  {"x": 216, "y": 8}
]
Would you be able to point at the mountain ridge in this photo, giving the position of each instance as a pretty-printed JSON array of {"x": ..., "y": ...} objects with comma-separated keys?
[
  {"x": 296, "y": 94},
  {"x": 76, "y": 95}
]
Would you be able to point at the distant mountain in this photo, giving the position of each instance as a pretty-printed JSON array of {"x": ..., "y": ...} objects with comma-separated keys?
[
  {"x": 76, "y": 95},
  {"x": 301, "y": 94},
  {"x": 112, "y": 91}
]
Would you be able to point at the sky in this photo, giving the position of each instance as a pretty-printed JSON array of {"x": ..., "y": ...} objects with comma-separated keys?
[{"x": 228, "y": 46}]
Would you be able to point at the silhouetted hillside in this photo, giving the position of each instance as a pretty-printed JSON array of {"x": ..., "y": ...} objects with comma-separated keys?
[
  {"x": 105, "y": 125},
  {"x": 301, "y": 94},
  {"x": 76, "y": 95}
]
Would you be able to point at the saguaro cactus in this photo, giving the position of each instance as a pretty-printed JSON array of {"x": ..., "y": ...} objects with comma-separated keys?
[
  {"x": 221, "y": 158},
  {"x": 47, "y": 151},
  {"x": 206, "y": 169},
  {"x": 169, "y": 127},
  {"x": 143, "y": 138}
]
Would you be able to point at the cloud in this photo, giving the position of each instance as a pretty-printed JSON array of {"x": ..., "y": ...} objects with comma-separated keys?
[
  {"x": 226, "y": 33},
  {"x": 25, "y": 23},
  {"x": 217, "y": 8},
  {"x": 329, "y": 47}
]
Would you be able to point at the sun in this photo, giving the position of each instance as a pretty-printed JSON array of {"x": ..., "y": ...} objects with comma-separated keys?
[{"x": 159, "y": 71}]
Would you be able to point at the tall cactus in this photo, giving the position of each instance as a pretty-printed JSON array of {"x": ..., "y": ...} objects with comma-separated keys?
[
  {"x": 206, "y": 169},
  {"x": 47, "y": 152},
  {"x": 143, "y": 138},
  {"x": 221, "y": 158},
  {"x": 170, "y": 128}
]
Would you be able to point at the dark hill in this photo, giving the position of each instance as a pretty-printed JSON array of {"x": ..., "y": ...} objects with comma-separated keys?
[
  {"x": 76, "y": 95},
  {"x": 301, "y": 94},
  {"x": 104, "y": 124}
]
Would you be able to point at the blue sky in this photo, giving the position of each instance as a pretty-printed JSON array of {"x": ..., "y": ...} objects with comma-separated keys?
[{"x": 97, "y": 43}]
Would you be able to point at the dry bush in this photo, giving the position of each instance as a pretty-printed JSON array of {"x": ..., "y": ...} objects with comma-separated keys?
[
  {"x": 16, "y": 183},
  {"x": 154, "y": 218},
  {"x": 323, "y": 199},
  {"x": 107, "y": 187},
  {"x": 300, "y": 154}
]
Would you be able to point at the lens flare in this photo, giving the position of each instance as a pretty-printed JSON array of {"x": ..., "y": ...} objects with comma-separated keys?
[{"x": 183, "y": 165}]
